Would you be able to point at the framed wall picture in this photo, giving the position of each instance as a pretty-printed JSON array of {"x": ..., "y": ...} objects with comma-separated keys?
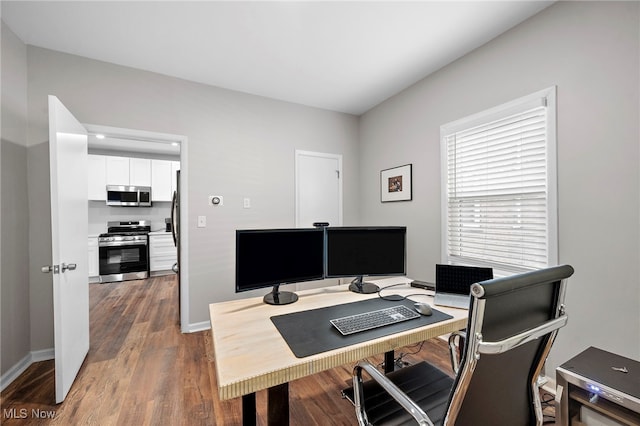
[{"x": 395, "y": 184}]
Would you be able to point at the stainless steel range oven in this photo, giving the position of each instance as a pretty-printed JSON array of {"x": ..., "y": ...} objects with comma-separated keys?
[{"x": 124, "y": 251}]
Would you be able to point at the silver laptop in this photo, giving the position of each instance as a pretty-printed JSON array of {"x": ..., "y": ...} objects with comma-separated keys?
[{"x": 453, "y": 284}]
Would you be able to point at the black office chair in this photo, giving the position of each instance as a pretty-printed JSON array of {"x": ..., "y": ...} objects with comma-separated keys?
[{"x": 512, "y": 324}]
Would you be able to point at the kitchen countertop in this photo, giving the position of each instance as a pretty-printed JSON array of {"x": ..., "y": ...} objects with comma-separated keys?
[{"x": 159, "y": 233}]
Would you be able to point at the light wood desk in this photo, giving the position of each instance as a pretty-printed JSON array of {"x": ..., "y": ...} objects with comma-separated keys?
[{"x": 251, "y": 355}]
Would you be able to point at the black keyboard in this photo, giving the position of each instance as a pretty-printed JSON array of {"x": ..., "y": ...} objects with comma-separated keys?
[{"x": 373, "y": 319}]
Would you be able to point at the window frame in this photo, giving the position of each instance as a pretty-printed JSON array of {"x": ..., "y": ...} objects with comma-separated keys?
[{"x": 546, "y": 97}]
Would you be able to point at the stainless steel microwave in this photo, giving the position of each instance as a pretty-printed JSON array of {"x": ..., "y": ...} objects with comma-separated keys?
[{"x": 128, "y": 196}]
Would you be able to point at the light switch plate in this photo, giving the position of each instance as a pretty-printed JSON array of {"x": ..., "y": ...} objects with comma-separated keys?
[{"x": 202, "y": 221}]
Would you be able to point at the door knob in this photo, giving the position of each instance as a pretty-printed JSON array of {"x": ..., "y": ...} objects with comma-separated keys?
[
  {"x": 70, "y": 267},
  {"x": 175, "y": 268}
]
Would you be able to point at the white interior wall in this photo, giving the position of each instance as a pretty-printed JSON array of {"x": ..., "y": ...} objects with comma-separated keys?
[
  {"x": 590, "y": 50},
  {"x": 14, "y": 273}
]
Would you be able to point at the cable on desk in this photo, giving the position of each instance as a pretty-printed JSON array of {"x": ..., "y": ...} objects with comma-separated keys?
[{"x": 396, "y": 297}]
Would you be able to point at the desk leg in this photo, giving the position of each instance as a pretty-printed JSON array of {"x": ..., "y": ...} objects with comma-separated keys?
[
  {"x": 278, "y": 405},
  {"x": 249, "y": 410},
  {"x": 389, "y": 362}
]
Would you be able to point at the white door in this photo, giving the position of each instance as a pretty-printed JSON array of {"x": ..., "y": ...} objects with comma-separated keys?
[
  {"x": 69, "y": 230},
  {"x": 318, "y": 188}
]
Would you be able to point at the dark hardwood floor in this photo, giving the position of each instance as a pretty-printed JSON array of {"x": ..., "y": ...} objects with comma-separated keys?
[{"x": 141, "y": 370}]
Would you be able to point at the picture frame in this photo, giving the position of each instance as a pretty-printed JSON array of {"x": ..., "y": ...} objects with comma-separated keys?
[{"x": 395, "y": 184}]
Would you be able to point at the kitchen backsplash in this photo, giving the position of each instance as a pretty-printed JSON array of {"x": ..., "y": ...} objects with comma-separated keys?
[{"x": 100, "y": 214}]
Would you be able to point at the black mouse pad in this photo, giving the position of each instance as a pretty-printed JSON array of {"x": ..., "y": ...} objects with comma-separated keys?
[{"x": 310, "y": 332}]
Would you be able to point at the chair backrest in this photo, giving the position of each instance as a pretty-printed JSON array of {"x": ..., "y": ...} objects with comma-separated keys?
[{"x": 497, "y": 380}]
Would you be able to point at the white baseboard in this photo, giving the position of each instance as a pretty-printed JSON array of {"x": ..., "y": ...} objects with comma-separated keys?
[
  {"x": 14, "y": 372},
  {"x": 196, "y": 327},
  {"x": 43, "y": 355}
]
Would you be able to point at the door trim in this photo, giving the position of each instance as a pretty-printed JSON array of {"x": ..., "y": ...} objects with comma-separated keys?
[
  {"x": 185, "y": 327},
  {"x": 301, "y": 153}
]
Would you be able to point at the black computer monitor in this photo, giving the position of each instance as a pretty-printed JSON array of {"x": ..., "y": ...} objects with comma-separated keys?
[
  {"x": 271, "y": 257},
  {"x": 364, "y": 250}
]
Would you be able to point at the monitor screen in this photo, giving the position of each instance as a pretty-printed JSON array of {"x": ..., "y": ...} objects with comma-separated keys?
[
  {"x": 358, "y": 251},
  {"x": 457, "y": 279},
  {"x": 270, "y": 257}
]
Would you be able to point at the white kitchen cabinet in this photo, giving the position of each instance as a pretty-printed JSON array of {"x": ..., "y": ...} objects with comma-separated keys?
[
  {"x": 140, "y": 172},
  {"x": 117, "y": 170},
  {"x": 161, "y": 188},
  {"x": 94, "y": 259},
  {"x": 105, "y": 170},
  {"x": 97, "y": 179},
  {"x": 162, "y": 252}
]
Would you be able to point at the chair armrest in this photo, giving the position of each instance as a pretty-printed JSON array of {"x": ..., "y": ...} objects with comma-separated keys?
[
  {"x": 396, "y": 393},
  {"x": 455, "y": 351},
  {"x": 520, "y": 338}
]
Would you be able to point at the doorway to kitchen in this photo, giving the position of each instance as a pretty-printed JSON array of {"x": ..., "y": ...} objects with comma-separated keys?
[{"x": 129, "y": 151}]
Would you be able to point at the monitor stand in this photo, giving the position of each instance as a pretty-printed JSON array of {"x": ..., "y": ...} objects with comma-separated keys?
[
  {"x": 358, "y": 286},
  {"x": 277, "y": 297}
]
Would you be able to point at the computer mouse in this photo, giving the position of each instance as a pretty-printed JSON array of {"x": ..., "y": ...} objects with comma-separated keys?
[{"x": 423, "y": 308}]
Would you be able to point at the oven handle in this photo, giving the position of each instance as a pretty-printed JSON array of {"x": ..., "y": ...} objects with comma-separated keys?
[{"x": 121, "y": 243}]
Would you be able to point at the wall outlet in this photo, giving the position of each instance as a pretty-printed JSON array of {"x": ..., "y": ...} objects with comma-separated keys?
[
  {"x": 216, "y": 200},
  {"x": 247, "y": 203}
]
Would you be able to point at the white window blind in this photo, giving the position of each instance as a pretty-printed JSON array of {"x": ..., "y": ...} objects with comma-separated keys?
[{"x": 499, "y": 211}]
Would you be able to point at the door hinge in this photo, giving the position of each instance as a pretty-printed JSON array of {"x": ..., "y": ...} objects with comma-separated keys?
[
  {"x": 69, "y": 267},
  {"x": 49, "y": 268}
]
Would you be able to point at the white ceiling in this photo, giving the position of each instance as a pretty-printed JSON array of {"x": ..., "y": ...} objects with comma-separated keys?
[{"x": 345, "y": 56}]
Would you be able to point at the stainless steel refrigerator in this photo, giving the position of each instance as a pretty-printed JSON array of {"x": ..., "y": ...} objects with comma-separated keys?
[{"x": 175, "y": 230}]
